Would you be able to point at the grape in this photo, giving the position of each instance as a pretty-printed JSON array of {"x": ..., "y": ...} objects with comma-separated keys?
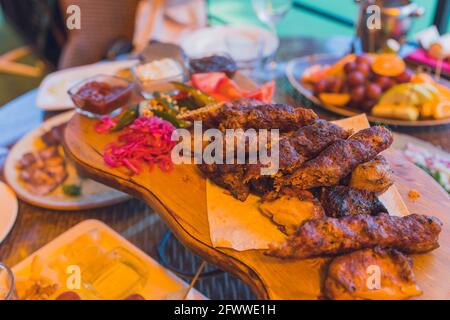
[
  {"x": 367, "y": 105},
  {"x": 404, "y": 77},
  {"x": 384, "y": 82},
  {"x": 364, "y": 69},
  {"x": 357, "y": 94},
  {"x": 350, "y": 67},
  {"x": 355, "y": 79},
  {"x": 334, "y": 84},
  {"x": 320, "y": 86},
  {"x": 363, "y": 59},
  {"x": 373, "y": 91}
]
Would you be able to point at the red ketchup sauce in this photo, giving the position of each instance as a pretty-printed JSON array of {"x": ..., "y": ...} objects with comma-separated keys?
[{"x": 101, "y": 97}]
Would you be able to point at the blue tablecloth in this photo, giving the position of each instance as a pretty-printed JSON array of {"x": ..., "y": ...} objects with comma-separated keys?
[{"x": 19, "y": 117}]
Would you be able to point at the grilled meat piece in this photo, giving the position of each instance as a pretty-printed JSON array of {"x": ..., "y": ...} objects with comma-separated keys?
[
  {"x": 375, "y": 176},
  {"x": 339, "y": 159},
  {"x": 252, "y": 114},
  {"x": 54, "y": 136},
  {"x": 332, "y": 236},
  {"x": 43, "y": 171},
  {"x": 304, "y": 144},
  {"x": 290, "y": 210},
  {"x": 348, "y": 278},
  {"x": 341, "y": 201},
  {"x": 261, "y": 186},
  {"x": 295, "y": 149},
  {"x": 229, "y": 177}
]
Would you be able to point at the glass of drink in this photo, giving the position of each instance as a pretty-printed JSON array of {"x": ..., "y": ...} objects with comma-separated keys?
[
  {"x": 7, "y": 288},
  {"x": 271, "y": 12}
]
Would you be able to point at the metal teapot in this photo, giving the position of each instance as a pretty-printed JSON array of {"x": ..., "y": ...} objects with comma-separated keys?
[{"x": 396, "y": 19}]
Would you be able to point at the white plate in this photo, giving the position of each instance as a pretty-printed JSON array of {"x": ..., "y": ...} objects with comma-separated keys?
[
  {"x": 52, "y": 93},
  {"x": 8, "y": 210},
  {"x": 161, "y": 283},
  {"x": 208, "y": 41},
  {"x": 93, "y": 194}
]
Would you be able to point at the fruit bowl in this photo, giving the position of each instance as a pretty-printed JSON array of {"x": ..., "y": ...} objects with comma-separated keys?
[{"x": 340, "y": 102}]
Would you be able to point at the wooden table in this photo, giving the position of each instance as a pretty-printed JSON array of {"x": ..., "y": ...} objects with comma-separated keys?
[{"x": 35, "y": 226}]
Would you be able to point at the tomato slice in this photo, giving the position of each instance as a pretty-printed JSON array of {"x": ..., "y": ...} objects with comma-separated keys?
[
  {"x": 229, "y": 89},
  {"x": 264, "y": 93},
  {"x": 207, "y": 82}
]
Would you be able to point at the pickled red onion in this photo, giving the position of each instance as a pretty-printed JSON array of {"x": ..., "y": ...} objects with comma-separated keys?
[
  {"x": 104, "y": 125},
  {"x": 146, "y": 140}
]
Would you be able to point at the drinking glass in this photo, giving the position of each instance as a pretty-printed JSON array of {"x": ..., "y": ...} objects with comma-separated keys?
[
  {"x": 271, "y": 12},
  {"x": 247, "y": 50},
  {"x": 7, "y": 288}
]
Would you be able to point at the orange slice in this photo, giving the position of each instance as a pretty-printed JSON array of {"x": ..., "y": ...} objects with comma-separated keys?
[
  {"x": 338, "y": 67},
  {"x": 388, "y": 65},
  {"x": 442, "y": 110},
  {"x": 335, "y": 99}
]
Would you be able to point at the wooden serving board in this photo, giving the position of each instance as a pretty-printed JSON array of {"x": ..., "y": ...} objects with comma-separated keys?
[{"x": 180, "y": 199}]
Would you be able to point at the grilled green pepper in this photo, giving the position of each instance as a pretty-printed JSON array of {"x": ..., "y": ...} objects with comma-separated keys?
[
  {"x": 168, "y": 117},
  {"x": 201, "y": 98},
  {"x": 127, "y": 118}
]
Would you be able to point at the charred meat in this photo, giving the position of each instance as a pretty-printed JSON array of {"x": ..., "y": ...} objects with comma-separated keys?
[
  {"x": 339, "y": 159},
  {"x": 294, "y": 149},
  {"x": 252, "y": 114},
  {"x": 341, "y": 201},
  {"x": 229, "y": 177},
  {"x": 333, "y": 236},
  {"x": 347, "y": 277},
  {"x": 375, "y": 176},
  {"x": 302, "y": 145}
]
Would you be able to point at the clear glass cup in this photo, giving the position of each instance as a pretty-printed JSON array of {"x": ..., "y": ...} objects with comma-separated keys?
[
  {"x": 7, "y": 287},
  {"x": 148, "y": 87},
  {"x": 101, "y": 95},
  {"x": 271, "y": 12},
  {"x": 247, "y": 50}
]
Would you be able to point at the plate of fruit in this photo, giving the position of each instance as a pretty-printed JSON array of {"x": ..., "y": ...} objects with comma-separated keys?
[{"x": 380, "y": 85}]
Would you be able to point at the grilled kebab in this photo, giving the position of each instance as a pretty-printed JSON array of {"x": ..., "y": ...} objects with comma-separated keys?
[
  {"x": 251, "y": 114},
  {"x": 339, "y": 159},
  {"x": 375, "y": 175},
  {"x": 348, "y": 277},
  {"x": 341, "y": 201},
  {"x": 295, "y": 149},
  {"x": 332, "y": 236}
]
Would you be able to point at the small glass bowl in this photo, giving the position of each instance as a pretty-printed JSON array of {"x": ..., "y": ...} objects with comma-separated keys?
[
  {"x": 148, "y": 87},
  {"x": 97, "y": 99}
]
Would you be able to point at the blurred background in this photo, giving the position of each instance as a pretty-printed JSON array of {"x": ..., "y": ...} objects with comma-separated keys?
[{"x": 44, "y": 29}]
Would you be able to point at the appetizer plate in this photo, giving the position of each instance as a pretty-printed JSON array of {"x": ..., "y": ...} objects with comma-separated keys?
[
  {"x": 295, "y": 69},
  {"x": 8, "y": 210},
  {"x": 208, "y": 41},
  {"x": 52, "y": 93},
  {"x": 401, "y": 140},
  {"x": 180, "y": 198},
  {"x": 160, "y": 284},
  {"x": 93, "y": 194}
]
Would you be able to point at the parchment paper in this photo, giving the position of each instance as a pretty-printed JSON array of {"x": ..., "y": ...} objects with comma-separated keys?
[{"x": 241, "y": 226}]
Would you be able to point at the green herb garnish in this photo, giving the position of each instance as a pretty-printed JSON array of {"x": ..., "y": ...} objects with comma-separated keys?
[{"x": 72, "y": 190}]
